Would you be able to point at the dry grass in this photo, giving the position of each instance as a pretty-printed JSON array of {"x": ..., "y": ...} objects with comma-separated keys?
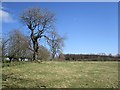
[{"x": 53, "y": 74}]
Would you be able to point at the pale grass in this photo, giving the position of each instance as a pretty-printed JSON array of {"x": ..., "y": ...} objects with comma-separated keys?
[{"x": 54, "y": 74}]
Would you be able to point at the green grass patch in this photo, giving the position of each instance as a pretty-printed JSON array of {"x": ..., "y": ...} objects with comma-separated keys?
[{"x": 54, "y": 74}]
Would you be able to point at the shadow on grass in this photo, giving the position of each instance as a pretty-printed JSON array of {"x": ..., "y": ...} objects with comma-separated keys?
[{"x": 17, "y": 82}]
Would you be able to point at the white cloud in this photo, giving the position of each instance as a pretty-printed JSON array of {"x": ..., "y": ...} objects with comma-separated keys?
[{"x": 5, "y": 16}]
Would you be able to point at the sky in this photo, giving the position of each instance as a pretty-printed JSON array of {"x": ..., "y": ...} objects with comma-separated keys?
[{"x": 89, "y": 27}]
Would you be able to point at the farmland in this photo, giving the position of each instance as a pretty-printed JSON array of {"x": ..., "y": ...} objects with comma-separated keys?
[{"x": 58, "y": 74}]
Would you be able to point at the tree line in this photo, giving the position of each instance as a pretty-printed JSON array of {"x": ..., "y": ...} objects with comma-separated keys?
[
  {"x": 40, "y": 23},
  {"x": 90, "y": 57}
]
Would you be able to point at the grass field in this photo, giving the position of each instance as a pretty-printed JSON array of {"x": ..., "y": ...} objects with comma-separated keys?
[{"x": 54, "y": 74}]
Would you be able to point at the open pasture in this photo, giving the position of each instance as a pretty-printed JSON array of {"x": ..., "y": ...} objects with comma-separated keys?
[{"x": 57, "y": 74}]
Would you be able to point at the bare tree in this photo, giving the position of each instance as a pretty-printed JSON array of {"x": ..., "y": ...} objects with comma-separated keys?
[
  {"x": 0, "y": 46},
  {"x": 3, "y": 45},
  {"x": 17, "y": 45},
  {"x": 38, "y": 21},
  {"x": 55, "y": 42},
  {"x": 0, "y": 50},
  {"x": 61, "y": 56}
]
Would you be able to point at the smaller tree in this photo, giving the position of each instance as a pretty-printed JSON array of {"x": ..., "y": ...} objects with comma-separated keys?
[
  {"x": 17, "y": 45},
  {"x": 55, "y": 42},
  {"x": 61, "y": 56},
  {"x": 0, "y": 46},
  {"x": 3, "y": 47},
  {"x": 43, "y": 53}
]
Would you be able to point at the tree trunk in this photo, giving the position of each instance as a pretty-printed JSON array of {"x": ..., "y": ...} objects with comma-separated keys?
[
  {"x": 35, "y": 45},
  {"x": 10, "y": 58},
  {"x": 35, "y": 55},
  {"x": 53, "y": 56},
  {"x": 3, "y": 53}
]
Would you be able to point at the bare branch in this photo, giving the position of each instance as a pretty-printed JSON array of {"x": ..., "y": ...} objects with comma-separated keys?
[{"x": 38, "y": 21}]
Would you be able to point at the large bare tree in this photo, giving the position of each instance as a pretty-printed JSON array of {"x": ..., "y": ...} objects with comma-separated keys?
[{"x": 38, "y": 22}]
